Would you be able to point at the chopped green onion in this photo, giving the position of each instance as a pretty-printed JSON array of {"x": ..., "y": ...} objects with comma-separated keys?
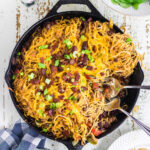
[
  {"x": 41, "y": 66},
  {"x": 82, "y": 18},
  {"x": 21, "y": 73},
  {"x": 90, "y": 58},
  {"x": 42, "y": 105},
  {"x": 47, "y": 72},
  {"x": 14, "y": 77},
  {"x": 73, "y": 86},
  {"x": 58, "y": 105},
  {"x": 40, "y": 112},
  {"x": 38, "y": 93},
  {"x": 41, "y": 87},
  {"x": 19, "y": 53},
  {"x": 47, "y": 81},
  {"x": 49, "y": 58},
  {"x": 31, "y": 76},
  {"x": 68, "y": 43},
  {"x": 43, "y": 47},
  {"x": 45, "y": 130},
  {"x": 90, "y": 84},
  {"x": 71, "y": 55},
  {"x": 72, "y": 80},
  {"x": 50, "y": 125},
  {"x": 82, "y": 37},
  {"x": 55, "y": 105},
  {"x": 82, "y": 90},
  {"x": 45, "y": 91},
  {"x": 72, "y": 98},
  {"x": 72, "y": 112},
  {"x": 57, "y": 63},
  {"x": 79, "y": 54},
  {"x": 67, "y": 56},
  {"x": 48, "y": 97},
  {"x": 86, "y": 51},
  {"x": 128, "y": 40},
  {"x": 62, "y": 66}
]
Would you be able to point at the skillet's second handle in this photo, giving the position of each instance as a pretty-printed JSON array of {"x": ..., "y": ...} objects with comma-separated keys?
[
  {"x": 146, "y": 87},
  {"x": 94, "y": 11}
]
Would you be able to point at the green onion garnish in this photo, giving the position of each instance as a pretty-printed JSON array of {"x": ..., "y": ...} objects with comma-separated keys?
[
  {"x": 42, "y": 104},
  {"x": 62, "y": 66},
  {"x": 14, "y": 77},
  {"x": 47, "y": 81},
  {"x": 41, "y": 66},
  {"x": 67, "y": 56},
  {"x": 19, "y": 53},
  {"x": 50, "y": 125},
  {"x": 41, "y": 87},
  {"x": 38, "y": 93},
  {"x": 72, "y": 80},
  {"x": 49, "y": 58},
  {"x": 43, "y": 47},
  {"x": 128, "y": 40},
  {"x": 55, "y": 105},
  {"x": 45, "y": 130},
  {"x": 45, "y": 91},
  {"x": 72, "y": 112},
  {"x": 71, "y": 55},
  {"x": 82, "y": 37},
  {"x": 82, "y": 18},
  {"x": 90, "y": 58},
  {"x": 72, "y": 98},
  {"x": 30, "y": 76},
  {"x": 56, "y": 63},
  {"x": 86, "y": 51},
  {"x": 21, "y": 73},
  {"x": 68, "y": 43},
  {"x": 48, "y": 97}
]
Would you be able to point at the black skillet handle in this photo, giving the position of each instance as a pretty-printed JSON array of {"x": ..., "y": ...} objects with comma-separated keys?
[
  {"x": 94, "y": 11},
  {"x": 71, "y": 147}
]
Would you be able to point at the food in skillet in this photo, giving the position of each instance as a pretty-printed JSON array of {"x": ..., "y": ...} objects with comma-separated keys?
[{"x": 59, "y": 78}]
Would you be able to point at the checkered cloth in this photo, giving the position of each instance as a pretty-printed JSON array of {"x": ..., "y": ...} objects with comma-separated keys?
[{"x": 21, "y": 138}]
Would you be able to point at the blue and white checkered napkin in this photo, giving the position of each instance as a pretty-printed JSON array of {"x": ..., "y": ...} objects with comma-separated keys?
[{"x": 21, "y": 138}]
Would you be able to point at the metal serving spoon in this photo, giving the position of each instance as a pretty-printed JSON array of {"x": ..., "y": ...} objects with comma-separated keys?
[
  {"x": 115, "y": 105},
  {"x": 116, "y": 87}
]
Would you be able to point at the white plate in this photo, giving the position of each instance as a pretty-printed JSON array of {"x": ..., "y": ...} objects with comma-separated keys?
[
  {"x": 135, "y": 139},
  {"x": 144, "y": 9}
]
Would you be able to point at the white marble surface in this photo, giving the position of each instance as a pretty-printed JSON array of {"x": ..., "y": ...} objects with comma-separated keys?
[{"x": 15, "y": 19}]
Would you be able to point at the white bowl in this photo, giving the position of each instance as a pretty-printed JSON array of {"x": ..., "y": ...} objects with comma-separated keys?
[{"x": 144, "y": 9}]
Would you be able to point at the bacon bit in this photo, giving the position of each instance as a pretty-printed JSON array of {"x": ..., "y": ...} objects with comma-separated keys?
[
  {"x": 102, "y": 74},
  {"x": 60, "y": 89},
  {"x": 55, "y": 100},
  {"x": 72, "y": 61},
  {"x": 87, "y": 76},
  {"x": 66, "y": 133},
  {"x": 77, "y": 76},
  {"x": 84, "y": 88},
  {"x": 74, "y": 48},
  {"x": 74, "y": 83},
  {"x": 90, "y": 19},
  {"x": 43, "y": 72},
  {"x": 35, "y": 81},
  {"x": 96, "y": 132},
  {"x": 16, "y": 71},
  {"x": 69, "y": 74},
  {"x": 50, "y": 112},
  {"x": 53, "y": 69},
  {"x": 10, "y": 89},
  {"x": 42, "y": 59},
  {"x": 74, "y": 89},
  {"x": 89, "y": 68},
  {"x": 89, "y": 124},
  {"x": 95, "y": 85},
  {"x": 85, "y": 45},
  {"x": 61, "y": 97}
]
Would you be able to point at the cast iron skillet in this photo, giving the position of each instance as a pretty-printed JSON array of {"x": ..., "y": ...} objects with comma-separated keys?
[{"x": 136, "y": 78}]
